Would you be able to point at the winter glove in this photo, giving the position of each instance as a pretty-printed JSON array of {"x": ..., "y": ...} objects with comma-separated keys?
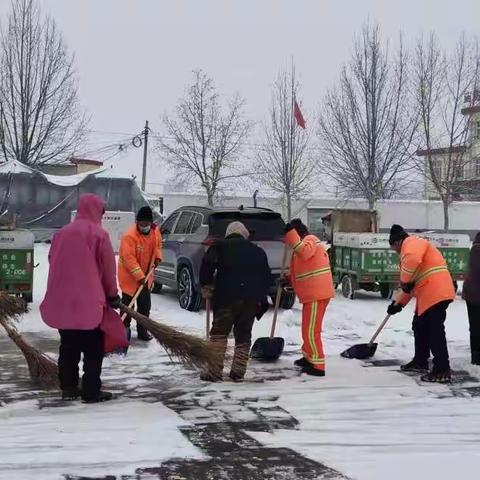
[
  {"x": 262, "y": 308},
  {"x": 394, "y": 308},
  {"x": 288, "y": 227},
  {"x": 407, "y": 287},
  {"x": 115, "y": 302},
  {"x": 157, "y": 262},
  {"x": 143, "y": 282}
]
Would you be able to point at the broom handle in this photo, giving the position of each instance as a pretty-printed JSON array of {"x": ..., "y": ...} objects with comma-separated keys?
[
  {"x": 11, "y": 330},
  {"x": 279, "y": 291},
  {"x": 208, "y": 306},
  {"x": 379, "y": 329},
  {"x": 138, "y": 292}
]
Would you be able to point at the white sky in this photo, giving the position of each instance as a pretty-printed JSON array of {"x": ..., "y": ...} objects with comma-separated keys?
[{"x": 135, "y": 57}]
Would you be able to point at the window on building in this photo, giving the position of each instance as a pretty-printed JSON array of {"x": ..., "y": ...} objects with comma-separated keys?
[
  {"x": 437, "y": 165},
  {"x": 477, "y": 167},
  {"x": 460, "y": 171}
]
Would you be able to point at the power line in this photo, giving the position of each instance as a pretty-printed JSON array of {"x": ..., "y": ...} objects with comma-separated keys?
[{"x": 158, "y": 136}]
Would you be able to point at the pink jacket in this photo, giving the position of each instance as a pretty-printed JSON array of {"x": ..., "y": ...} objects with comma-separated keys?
[{"x": 82, "y": 275}]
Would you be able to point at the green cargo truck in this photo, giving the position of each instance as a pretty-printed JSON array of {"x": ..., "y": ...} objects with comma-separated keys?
[
  {"x": 16, "y": 262},
  {"x": 365, "y": 260}
]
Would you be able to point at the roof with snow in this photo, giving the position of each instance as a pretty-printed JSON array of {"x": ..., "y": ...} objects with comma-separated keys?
[{"x": 40, "y": 200}]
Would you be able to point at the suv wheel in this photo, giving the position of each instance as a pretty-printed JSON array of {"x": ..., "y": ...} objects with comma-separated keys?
[{"x": 188, "y": 298}]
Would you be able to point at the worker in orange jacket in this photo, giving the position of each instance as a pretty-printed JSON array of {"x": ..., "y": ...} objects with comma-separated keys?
[
  {"x": 140, "y": 250},
  {"x": 425, "y": 276},
  {"x": 311, "y": 278}
]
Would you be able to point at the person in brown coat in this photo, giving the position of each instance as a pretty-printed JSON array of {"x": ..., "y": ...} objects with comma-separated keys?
[{"x": 471, "y": 294}]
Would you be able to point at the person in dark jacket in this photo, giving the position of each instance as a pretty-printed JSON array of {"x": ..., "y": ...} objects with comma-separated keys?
[
  {"x": 236, "y": 276},
  {"x": 471, "y": 294}
]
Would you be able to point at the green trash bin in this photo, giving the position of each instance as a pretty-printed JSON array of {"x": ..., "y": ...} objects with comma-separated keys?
[{"x": 16, "y": 262}]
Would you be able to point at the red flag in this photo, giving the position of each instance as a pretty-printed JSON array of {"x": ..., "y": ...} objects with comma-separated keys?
[{"x": 298, "y": 115}]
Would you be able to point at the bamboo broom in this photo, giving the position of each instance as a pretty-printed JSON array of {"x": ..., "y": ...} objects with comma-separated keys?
[
  {"x": 192, "y": 351},
  {"x": 43, "y": 370}
]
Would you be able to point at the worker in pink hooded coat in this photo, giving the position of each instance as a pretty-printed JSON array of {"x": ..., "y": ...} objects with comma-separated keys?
[{"x": 81, "y": 291}]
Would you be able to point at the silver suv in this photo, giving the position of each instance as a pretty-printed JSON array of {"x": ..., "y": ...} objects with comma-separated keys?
[{"x": 189, "y": 231}]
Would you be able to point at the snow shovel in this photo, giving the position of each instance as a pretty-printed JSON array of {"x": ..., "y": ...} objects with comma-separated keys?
[
  {"x": 362, "y": 351},
  {"x": 269, "y": 349}
]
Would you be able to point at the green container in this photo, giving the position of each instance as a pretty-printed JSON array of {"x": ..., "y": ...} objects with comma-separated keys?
[
  {"x": 457, "y": 261},
  {"x": 377, "y": 269},
  {"x": 16, "y": 262}
]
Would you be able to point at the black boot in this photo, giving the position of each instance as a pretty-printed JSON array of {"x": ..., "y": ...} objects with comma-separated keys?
[
  {"x": 437, "y": 377},
  {"x": 235, "y": 377},
  {"x": 101, "y": 397},
  {"x": 70, "y": 394},
  {"x": 309, "y": 369},
  {"x": 476, "y": 358},
  {"x": 143, "y": 335},
  {"x": 414, "y": 366},
  {"x": 301, "y": 362}
]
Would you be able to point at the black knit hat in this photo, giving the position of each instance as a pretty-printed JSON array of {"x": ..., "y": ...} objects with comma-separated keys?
[
  {"x": 299, "y": 226},
  {"x": 145, "y": 215},
  {"x": 397, "y": 232}
]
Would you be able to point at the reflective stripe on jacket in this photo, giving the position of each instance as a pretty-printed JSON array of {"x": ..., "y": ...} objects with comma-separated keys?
[
  {"x": 310, "y": 274},
  {"x": 423, "y": 264},
  {"x": 137, "y": 254}
]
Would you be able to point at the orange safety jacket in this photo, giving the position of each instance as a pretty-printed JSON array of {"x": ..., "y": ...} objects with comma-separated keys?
[
  {"x": 137, "y": 255},
  {"x": 423, "y": 264},
  {"x": 310, "y": 274}
]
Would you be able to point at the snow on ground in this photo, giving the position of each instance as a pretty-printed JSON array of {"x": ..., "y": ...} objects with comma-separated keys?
[
  {"x": 367, "y": 422},
  {"x": 114, "y": 437}
]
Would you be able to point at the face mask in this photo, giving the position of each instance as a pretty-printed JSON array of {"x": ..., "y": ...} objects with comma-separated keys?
[{"x": 145, "y": 230}]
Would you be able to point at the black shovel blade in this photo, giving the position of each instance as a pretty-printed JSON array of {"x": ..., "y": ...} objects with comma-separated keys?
[
  {"x": 360, "y": 351},
  {"x": 267, "y": 349}
]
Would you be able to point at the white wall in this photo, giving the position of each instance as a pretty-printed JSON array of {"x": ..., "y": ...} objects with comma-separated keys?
[{"x": 413, "y": 214}]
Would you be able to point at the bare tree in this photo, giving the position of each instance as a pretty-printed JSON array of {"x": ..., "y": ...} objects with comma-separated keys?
[
  {"x": 203, "y": 142},
  {"x": 285, "y": 162},
  {"x": 40, "y": 117},
  {"x": 366, "y": 124},
  {"x": 442, "y": 83}
]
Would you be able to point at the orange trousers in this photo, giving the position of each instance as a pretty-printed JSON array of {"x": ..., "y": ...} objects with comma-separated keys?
[{"x": 312, "y": 320}]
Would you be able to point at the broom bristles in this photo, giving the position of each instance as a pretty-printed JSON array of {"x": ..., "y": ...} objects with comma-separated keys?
[
  {"x": 191, "y": 350},
  {"x": 11, "y": 307},
  {"x": 43, "y": 370}
]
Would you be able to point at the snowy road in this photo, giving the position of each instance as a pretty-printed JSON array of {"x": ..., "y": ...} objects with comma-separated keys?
[{"x": 363, "y": 421}]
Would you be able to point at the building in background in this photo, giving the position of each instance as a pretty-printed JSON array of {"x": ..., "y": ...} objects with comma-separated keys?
[
  {"x": 43, "y": 202},
  {"x": 73, "y": 167},
  {"x": 465, "y": 159},
  {"x": 423, "y": 215}
]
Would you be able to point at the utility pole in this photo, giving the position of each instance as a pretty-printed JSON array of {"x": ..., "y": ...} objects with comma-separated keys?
[{"x": 145, "y": 149}]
